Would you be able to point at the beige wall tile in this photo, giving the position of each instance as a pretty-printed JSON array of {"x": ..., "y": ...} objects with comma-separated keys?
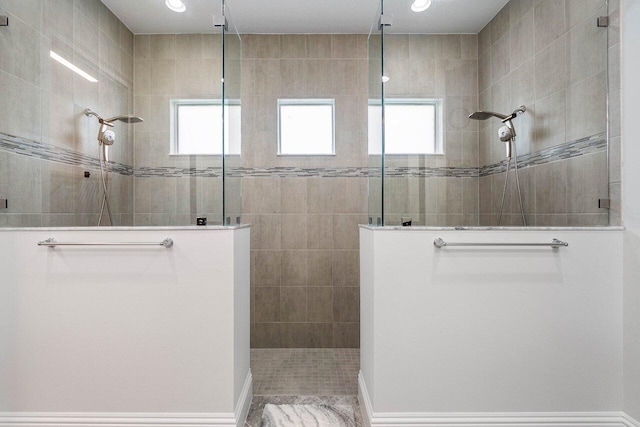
[
  {"x": 587, "y": 181},
  {"x": 346, "y": 268},
  {"x": 346, "y": 304},
  {"x": 586, "y": 50},
  {"x": 319, "y": 46},
  {"x": 294, "y": 268},
  {"x": 550, "y": 22},
  {"x": 522, "y": 40},
  {"x": 319, "y": 335},
  {"x": 294, "y": 231},
  {"x": 162, "y": 77},
  {"x": 162, "y": 46},
  {"x": 319, "y": 268},
  {"x": 267, "y": 305},
  {"x": 550, "y": 69},
  {"x": 293, "y": 308},
  {"x": 346, "y": 335},
  {"x": 293, "y": 46},
  {"x": 550, "y": 121},
  {"x": 30, "y": 11},
  {"x": 500, "y": 24},
  {"x": 293, "y": 335},
  {"x": 320, "y": 232},
  {"x": 345, "y": 46},
  {"x": 319, "y": 304},
  {"x": 293, "y": 195},
  {"x": 586, "y": 107}
]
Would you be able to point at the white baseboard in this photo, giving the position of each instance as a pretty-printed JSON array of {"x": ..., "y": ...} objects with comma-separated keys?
[
  {"x": 244, "y": 402},
  {"x": 630, "y": 422},
  {"x": 488, "y": 419},
  {"x": 111, "y": 419},
  {"x": 365, "y": 400}
]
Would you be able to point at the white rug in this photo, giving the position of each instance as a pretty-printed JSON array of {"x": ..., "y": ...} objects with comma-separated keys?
[{"x": 308, "y": 415}]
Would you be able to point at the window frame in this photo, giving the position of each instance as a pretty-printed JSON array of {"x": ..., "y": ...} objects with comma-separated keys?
[
  {"x": 439, "y": 140},
  {"x": 311, "y": 102},
  {"x": 174, "y": 126}
]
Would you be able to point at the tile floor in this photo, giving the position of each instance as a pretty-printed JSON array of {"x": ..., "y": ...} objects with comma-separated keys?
[{"x": 298, "y": 376}]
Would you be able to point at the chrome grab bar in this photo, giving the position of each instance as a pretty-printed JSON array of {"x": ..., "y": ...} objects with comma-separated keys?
[
  {"x": 52, "y": 243},
  {"x": 555, "y": 244}
]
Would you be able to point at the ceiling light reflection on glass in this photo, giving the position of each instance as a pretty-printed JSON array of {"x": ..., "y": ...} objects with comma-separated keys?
[
  {"x": 72, "y": 67},
  {"x": 176, "y": 5},
  {"x": 421, "y": 5}
]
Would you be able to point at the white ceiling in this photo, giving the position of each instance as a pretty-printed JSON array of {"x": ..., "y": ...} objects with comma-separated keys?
[{"x": 306, "y": 16}]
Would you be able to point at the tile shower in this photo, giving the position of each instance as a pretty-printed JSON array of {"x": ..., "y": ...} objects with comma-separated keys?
[
  {"x": 552, "y": 58},
  {"x": 305, "y": 210},
  {"x": 46, "y": 143},
  {"x": 547, "y": 55}
]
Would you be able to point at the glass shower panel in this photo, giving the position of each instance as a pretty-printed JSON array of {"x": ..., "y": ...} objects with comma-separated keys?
[
  {"x": 375, "y": 123},
  {"x": 431, "y": 147},
  {"x": 614, "y": 109},
  {"x": 88, "y": 105},
  {"x": 57, "y": 62},
  {"x": 557, "y": 70},
  {"x": 457, "y": 166},
  {"x": 232, "y": 91}
]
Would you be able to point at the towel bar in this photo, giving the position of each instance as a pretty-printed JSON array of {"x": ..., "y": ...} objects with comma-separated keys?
[
  {"x": 52, "y": 243},
  {"x": 555, "y": 244}
]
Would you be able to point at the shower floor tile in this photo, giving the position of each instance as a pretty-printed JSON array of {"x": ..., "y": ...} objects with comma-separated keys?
[
  {"x": 304, "y": 376},
  {"x": 305, "y": 372}
]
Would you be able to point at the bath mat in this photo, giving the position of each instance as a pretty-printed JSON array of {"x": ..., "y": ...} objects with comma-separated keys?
[{"x": 308, "y": 415}]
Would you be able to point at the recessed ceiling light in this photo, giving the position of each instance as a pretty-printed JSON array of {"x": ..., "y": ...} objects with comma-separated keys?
[
  {"x": 72, "y": 67},
  {"x": 418, "y": 5},
  {"x": 176, "y": 5}
]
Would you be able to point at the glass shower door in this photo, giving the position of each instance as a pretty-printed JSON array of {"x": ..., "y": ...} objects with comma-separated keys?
[
  {"x": 231, "y": 95},
  {"x": 375, "y": 137}
]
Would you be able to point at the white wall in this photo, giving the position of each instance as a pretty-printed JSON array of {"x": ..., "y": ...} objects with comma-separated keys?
[
  {"x": 631, "y": 202},
  {"x": 492, "y": 329},
  {"x": 241, "y": 313},
  {"x": 124, "y": 329}
]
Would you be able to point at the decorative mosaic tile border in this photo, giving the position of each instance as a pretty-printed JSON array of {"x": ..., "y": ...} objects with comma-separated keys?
[
  {"x": 25, "y": 147},
  {"x": 580, "y": 147},
  {"x": 174, "y": 172},
  {"x": 294, "y": 172},
  {"x": 428, "y": 172},
  {"x": 37, "y": 150}
]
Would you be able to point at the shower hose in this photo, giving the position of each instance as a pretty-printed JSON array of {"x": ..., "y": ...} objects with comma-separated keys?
[{"x": 514, "y": 150}]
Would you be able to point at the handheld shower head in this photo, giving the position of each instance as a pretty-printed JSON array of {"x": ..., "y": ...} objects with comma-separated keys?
[{"x": 107, "y": 137}]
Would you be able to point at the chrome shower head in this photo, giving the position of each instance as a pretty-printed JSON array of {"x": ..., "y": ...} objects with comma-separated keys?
[
  {"x": 107, "y": 137},
  {"x": 126, "y": 119},
  {"x": 486, "y": 115}
]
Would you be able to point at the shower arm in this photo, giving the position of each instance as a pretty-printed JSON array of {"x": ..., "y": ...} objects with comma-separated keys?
[{"x": 90, "y": 113}]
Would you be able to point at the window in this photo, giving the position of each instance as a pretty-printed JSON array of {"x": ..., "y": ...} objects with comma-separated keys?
[
  {"x": 196, "y": 127},
  {"x": 306, "y": 127},
  {"x": 412, "y": 126}
]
